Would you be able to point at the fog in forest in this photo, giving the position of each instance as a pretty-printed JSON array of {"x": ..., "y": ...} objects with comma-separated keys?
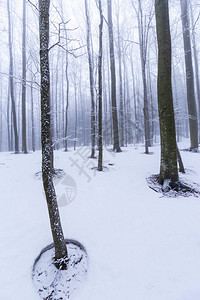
[{"x": 135, "y": 49}]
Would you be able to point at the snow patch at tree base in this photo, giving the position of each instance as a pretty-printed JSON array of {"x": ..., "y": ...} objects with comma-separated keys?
[
  {"x": 54, "y": 284},
  {"x": 180, "y": 188}
]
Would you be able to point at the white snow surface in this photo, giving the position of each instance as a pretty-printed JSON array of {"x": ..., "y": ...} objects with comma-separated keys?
[{"x": 141, "y": 246}]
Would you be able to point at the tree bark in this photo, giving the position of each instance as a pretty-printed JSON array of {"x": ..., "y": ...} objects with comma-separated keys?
[
  {"x": 192, "y": 111},
  {"x": 116, "y": 146},
  {"x": 100, "y": 138},
  {"x": 196, "y": 64},
  {"x": 168, "y": 165},
  {"x": 91, "y": 72},
  {"x": 12, "y": 81},
  {"x": 24, "y": 140},
  {"x": 56, "y": 228}
]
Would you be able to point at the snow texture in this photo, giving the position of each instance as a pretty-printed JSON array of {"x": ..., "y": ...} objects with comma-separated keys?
[
  {"x": 140, "y": 245},
  {"x": 54, "y": 284}
]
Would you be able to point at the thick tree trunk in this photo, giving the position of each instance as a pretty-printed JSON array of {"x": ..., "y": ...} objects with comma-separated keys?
[
  {"x": 192, "y": 111},
  {"x": 12, "y": 81},
  {"x": 56, "y": 228},
  {"x": 116, "y": 146},
  {"x": 100, "y": 139},
  {"x": 168, "y": 166},
  {"x": 24, "y": 140}
]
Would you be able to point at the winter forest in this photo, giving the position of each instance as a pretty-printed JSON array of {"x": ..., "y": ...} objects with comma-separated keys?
[{"x": 99, "y": 149}]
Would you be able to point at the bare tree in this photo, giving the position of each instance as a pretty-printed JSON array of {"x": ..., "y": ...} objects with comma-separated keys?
[
  {"x": 196, "y": 63},
  {"x": 121, "y": 112},
  {"x": 61, "y": 254},
  {"x": 91, "y": 72},
  {"x": 168, "y": 165},
  {"x": 116, "y": 146},
  {"x": 192, "y": 111},
  {"x": 144, "y": 23},
  {"x": 11, "y": 79},
  {"x": 24, "y": 140},
  {"x": 100, "y": 92}
]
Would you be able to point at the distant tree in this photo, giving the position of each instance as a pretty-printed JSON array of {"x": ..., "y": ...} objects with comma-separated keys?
[
  {"x": 116, "y": 146},
  {"x": 121, "y": 111},
  {"x": 100, "y": 92},
  {"x": 11, "y": 81},
  {"x": 192, "y": 111},
  {"x": 91, "y": 72},
  {"x": 168, "y": 165},
  {"x": 61, "y": 254},
  {"x": 24, "y": 139},
  {"x": 144, "y": 23},
  {"x": 196, "y": 63}
]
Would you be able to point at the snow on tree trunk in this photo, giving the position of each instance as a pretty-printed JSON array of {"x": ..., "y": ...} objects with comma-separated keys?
[{"x": 56, "y": 228}]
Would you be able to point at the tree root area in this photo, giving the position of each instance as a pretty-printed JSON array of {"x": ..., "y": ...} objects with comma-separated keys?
[
  {"x": 52, "y": 283},
  {"x": 173, "y": 189}
]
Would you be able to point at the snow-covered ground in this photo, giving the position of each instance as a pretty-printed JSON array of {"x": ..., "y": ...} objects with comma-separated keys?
[{"x": 141, "y": 246}]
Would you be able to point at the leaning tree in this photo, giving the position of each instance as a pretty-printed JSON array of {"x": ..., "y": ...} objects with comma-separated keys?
[
  {"x": 168, "y": 166},
  {"x": 61, "y": 254}
]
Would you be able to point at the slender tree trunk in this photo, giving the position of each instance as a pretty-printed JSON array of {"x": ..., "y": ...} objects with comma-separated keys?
[
  {"x": 116, "y": 146},
  {"x": 91, "y": 72},
  {"x": 168, "y": 166},
  {"x": 12, "y": 81},
  {"x": 100, "y": 140},
  {"x": 24, "y": 140},
  {"x": 143, "y": 30},
  {"x": 180, "y": 161},
  {"x": 121, "y": 112},
  {"x": 56, "y": 102},
  {"x": 192, "y": 111},
  {"x": 67, "y": 92},
  {"x": 76, "y": 113},
  {"x": 56, "y": 228},
  {"x": 8, "y": 117},
  {"x": 196, "y": 63},
  {"x": 32, "y": 119}
]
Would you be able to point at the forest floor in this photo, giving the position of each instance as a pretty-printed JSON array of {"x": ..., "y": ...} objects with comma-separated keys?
[{"x": 141, "y": 245}]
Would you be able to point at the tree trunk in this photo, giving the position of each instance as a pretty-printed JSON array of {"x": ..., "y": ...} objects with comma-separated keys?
[
  {"x": 32, "y": 119},
  {"x": 56, "y": 228},
  {"x": 168, "y": 166},
  {"x": 8, "y": 117},
  {"x": 91, "y": 72},
  {"x": 12, "y": 81},
  {"x": 100, "y": 143},
  {"x": 24, "y": 140},
  {"x": 180, "y": 161},
  {"x": 116, "y": 146},
  {"x": 121, "y": 112},
  {"x": 76, "y": 113},
  {"x": 196, "y": 63},
  {"x": 192, "y": 111}
]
